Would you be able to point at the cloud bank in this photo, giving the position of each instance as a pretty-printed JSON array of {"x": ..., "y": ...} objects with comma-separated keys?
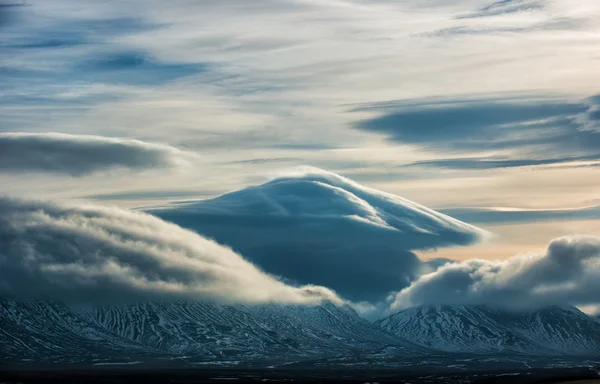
[
  {"x": 567, "y": 273},
  {"x": 82, "y": 154},
  {"x": 316, "y": 227},
  {"x": 107, "y": 255}
]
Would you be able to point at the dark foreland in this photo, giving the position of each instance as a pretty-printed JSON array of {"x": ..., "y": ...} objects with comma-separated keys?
[{"x": 418, "y": 375}]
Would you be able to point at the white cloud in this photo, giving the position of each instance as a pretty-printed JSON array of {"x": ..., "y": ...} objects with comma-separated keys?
[
  {"x": 568, "y": 273},
  {"x": 82, "y": 154},
  {"x": 108, "y": 255}
]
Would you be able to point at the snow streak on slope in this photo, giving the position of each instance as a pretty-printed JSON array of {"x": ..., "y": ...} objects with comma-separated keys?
[
  {"x": 48, "y": 331},
  {"x": 462, "y": 328},
  {"x": 455, "y": 328},
  {"x": 41, "y": 330},
  {"x": 563, "y": 329},
  {"x": 248, "y": 331},
  {"x": 320, "y": 228}
]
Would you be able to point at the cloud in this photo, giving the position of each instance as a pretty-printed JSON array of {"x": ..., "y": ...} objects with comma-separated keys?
[
  {"x": 107, "y": 255},
  {"x": 518, "y": 215},
  {"x": 151, "y": 194},
  {"x": 505, "y": 7},
  {"x": 481, "y": 124},
  {"x": 568, "y": 273},
  {"x": 316, "y": 227},
  {"x": 531, "y": 132},
  {"x": 556, "y": 24},
  {"x": 131, "y": 67},
  {"x": 81, "y": 154},
  {"x": 480, "y": 163}
]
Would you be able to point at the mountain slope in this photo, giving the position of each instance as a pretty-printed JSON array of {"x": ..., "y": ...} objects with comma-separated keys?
[
  {"x": 250, "y": 331},
  {"x": 462, "y": 328},
  {"x": 303, "y": 226},
  {"x": 44, "y": 331},
  {"x": 455, "y": 328},
  {"x": 563, "y": 329},
  {"x": 41, "y": 330}
]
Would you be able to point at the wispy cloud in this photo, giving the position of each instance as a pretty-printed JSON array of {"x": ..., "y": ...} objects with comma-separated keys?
[
  {"x": 495, "y": 216},
  {"x": 481, "y": 163},
  {"x": 505, "y": 7}
]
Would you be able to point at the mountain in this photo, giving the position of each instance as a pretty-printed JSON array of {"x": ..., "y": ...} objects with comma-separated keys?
[
  {"x": 303, "y": 226},
  {"x": 564, "y": 329},
  {"x": 463, "y": 328},
  {"x": 209, "y": 333},
  {"x": 48, "y": 331},
  {"x": 250, "y": 331}
]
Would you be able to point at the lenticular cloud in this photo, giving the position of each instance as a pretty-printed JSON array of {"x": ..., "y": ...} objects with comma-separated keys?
[
  {"x": 316, "y": 227},
  {"x": 78, "y": 155},
  {"x": 108, "y": 255}
]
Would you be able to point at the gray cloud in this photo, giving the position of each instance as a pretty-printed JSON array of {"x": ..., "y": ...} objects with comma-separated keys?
[
  {"x": 108, "y": 255},
  {"x": 474, "y": 163},
  {"x": 316, "y": 227},
  {"x": 153, "y": 194},
  {"x": 554, "y": 24},
  {"x": 81, "y": 154},
  {"x": 504, "y": 7},
  {"x": 568, "y": 273},
  {"x": 536, "y": 132},
  {"x": 516, "y": 215}
]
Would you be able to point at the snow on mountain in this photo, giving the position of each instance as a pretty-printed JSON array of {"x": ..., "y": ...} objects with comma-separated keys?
[
  {"x": 463, "y": 328},
  {"x": 251, "y": 331},
  {"x": 302, "y": 227},
  {"x": 455, "y": 328},
  {"x": 47, "y": 331},
  {"x": 561, "y": 328},
  {"x": 41, "y": 330}
]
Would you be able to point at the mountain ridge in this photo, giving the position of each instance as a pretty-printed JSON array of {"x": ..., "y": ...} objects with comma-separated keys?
[
  {"x": 549, "y": 330},
  {"x": 50, "y": 331},
  {"x": 210, "y": 333}
]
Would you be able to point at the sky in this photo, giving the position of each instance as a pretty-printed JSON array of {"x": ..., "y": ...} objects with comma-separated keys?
[{"x": 484, "y": 110}]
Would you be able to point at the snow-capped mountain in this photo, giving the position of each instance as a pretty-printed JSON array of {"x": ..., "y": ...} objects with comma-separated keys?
[
  {"x": 463, "y": 328},
  {"x": 47, "y": 331}
]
